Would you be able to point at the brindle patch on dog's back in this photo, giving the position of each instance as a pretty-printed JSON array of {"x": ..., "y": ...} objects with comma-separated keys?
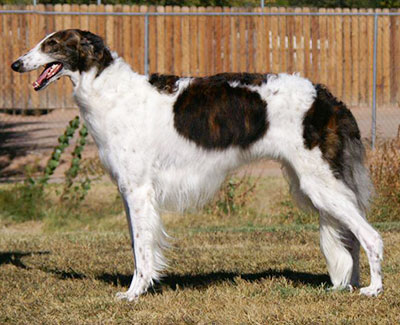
[
  {"x": 164, "y": 82},
  {"x": 215, "y": 115},
  {"x": 243, "y": 78},
  {"x": 326, "y": 124}
]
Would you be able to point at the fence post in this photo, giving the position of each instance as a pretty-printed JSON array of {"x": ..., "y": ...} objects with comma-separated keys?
[
  {"x": 146, "y": 44},
  {"x": 373, "y": 126},
  {"x": 34, "y": 2},
  {"x": 262, "y": 3},
  {"x": 98, "y": 2}
]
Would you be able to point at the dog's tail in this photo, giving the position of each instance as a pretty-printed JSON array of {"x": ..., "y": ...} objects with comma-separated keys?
[
  {"x": 348, "y": 162},
  {"x": 355, "y": 172}
]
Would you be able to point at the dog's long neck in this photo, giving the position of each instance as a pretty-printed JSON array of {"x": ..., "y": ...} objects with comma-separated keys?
[
  {"x": 99, "y": 95},
  {"x": 97, "y": 91}
]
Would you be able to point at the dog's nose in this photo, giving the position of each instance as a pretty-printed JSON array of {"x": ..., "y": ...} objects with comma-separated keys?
[{"x": 17, "y": 66}]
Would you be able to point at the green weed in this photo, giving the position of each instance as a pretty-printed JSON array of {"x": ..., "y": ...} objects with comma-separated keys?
[
  {"x": 234, "y": 196},
  {"x": 23, "y": 202}
]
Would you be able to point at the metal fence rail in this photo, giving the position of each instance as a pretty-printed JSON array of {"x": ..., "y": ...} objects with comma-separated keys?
[{"x": 99, "y": 2}]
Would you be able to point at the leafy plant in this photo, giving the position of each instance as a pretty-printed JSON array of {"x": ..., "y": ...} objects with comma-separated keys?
[
  {"x": 76, "y": 192},
  {"x": 54, "y": 160}
]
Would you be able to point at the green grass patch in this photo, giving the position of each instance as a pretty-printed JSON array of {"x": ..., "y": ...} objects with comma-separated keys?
[
  {"x": 22, "y": 202},
  {"x": 25, "y": 202}
]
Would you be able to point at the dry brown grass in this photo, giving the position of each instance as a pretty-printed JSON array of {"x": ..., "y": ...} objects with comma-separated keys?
[
  {"x": 262, "y": 266},
  {"x": 231, "y": 276},
  {"x": 384, "y": 165}
]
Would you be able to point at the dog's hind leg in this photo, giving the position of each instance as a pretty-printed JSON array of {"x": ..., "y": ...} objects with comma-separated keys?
[
  {"x": 339, "y": 246},
  {"x": 341, "y": 250},
  {"x": 353, "y": 246},
  {"x": 148, "y": 240},
  {"x": 335, "y": 200},
  {"x": 301, "y": 199}
]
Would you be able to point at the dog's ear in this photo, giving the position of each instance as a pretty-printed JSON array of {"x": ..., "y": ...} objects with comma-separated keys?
[
  {"x": 85, "y": 46},
  {"x": 92, "y": 45},
  {"x": 94, "y": 50}
]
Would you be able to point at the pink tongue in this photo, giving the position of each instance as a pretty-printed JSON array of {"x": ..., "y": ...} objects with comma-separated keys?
[{"x": 42, "y": 76}]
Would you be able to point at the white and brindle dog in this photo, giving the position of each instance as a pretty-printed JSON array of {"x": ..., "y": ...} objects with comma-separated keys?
[{"x": 168, "y": 142}]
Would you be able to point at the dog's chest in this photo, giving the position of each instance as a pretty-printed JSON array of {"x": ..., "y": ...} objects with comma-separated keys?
[{"x": 113, "y": 134}]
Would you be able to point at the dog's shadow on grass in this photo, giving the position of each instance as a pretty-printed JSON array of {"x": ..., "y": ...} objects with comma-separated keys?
[
  {"x": 205, "y": 280},
  {"x": 175, "y": 281},
  {"x": 14, "y": 258}
]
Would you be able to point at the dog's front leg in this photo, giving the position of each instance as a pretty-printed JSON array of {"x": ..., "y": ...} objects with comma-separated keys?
[{"x": 148, "y": 240}]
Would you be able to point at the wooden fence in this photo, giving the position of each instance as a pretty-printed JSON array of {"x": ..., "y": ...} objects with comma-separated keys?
[{"x": 335, "y": 50}]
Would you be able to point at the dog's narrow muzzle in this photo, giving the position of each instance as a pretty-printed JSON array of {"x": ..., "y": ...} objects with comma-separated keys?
[{"x": 17, "y": 66}]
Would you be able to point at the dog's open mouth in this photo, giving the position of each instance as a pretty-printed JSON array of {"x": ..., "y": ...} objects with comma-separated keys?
[{"x": 50, "y": 70}]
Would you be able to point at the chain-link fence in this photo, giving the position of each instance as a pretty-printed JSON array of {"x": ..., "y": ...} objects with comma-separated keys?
[{"x": 355, "y": 52}]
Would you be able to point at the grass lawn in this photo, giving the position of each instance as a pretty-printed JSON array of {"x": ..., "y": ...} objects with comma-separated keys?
[{"x": 260, "y": 266}]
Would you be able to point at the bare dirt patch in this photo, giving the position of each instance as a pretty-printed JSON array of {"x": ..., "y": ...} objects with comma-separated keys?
[{"x": 29, "y": 140}]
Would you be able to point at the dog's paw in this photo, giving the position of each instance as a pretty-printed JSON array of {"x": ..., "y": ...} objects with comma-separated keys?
[
  {"x": 127, "y": 295},
  {"x": 138, "y": 287},
  {"x": 371, "y": 291},
  {"x": 347, "y": 287}
]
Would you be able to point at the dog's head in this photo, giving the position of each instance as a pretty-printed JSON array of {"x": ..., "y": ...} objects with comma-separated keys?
[{"x": 68, "y": 52}]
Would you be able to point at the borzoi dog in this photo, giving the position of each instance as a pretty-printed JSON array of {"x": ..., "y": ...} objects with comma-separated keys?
[{"x": 168, "y": 142}]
